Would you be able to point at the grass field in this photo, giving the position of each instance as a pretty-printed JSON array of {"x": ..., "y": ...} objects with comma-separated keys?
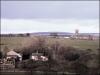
[{"x": 19, "y": 42}]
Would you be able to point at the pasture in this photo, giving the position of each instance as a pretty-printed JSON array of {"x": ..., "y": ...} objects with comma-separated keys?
[{"x": 20, "y": 42}]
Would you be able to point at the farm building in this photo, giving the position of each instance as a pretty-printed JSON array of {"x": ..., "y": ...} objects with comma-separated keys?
[
  {"x": 82, "y": 36},
  {"x": 38, "y": 57},
  {"x": 13, "y": 54}
]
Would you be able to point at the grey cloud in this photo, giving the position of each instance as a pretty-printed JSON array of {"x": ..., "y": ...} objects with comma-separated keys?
[{"x": 50, "y": 9}]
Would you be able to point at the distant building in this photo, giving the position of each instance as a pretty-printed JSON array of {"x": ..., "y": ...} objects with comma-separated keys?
[
  {"x": 53, "y": 34},
  {"x": 77, "y": 35},
  {"x": 76, "y": 32},
  {"x": 82, "y": 37}
]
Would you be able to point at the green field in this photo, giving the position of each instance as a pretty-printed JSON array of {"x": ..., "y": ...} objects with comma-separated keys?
[{"x": 19, "y": 42}]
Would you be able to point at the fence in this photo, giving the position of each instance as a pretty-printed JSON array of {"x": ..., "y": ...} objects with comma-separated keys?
[
  {"x": 36, "y": 73},
  {"x": 4, "y": 67}
]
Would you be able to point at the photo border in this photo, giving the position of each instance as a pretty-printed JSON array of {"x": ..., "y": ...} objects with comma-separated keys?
[{"x": 56, "y": 0}]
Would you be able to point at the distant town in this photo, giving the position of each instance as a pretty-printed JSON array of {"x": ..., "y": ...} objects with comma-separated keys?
[{"x": 76, "y": 35}]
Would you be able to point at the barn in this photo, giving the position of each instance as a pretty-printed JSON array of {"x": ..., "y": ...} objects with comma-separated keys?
[{"x": 13, "y": 54}]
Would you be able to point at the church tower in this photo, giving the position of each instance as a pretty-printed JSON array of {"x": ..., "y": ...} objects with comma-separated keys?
[{"x": 76, "y": 33}]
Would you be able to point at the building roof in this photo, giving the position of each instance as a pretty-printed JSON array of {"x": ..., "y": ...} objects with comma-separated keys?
[{"x": 13, "y": 53}]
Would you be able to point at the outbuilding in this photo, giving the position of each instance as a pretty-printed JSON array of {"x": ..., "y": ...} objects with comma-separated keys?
[
  {"x": 38, "y": 57},
  {"x": 13, "y": 54}
]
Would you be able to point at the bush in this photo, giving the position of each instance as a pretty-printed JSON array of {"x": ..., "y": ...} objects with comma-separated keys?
[{"x": 69, "y": 53}]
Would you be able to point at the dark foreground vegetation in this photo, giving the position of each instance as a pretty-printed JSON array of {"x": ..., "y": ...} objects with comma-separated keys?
[{"x": 65, "y": 59}]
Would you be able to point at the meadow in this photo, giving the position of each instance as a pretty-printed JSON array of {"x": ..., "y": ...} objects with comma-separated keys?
[{"x": 20, "y": 42}]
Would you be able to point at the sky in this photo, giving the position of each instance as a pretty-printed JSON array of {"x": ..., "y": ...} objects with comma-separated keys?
[{"x": 49, "y": 16}]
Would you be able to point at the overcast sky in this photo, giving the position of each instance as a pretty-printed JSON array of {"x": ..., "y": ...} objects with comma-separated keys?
[{"x": 44, "y": 16}]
